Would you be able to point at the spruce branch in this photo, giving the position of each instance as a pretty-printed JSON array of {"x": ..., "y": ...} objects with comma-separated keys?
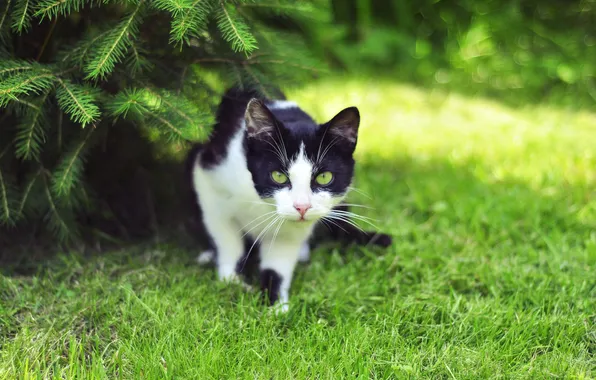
[
  {"x": 78, "y": 53},
  {"x": 188, "y": 17},
  {"x": 234, "y": 30},
  {"x": 178, "y": 110},
  {"x": 140, "y": 105},
  {"x": 31, "y": 131},
  {"x": 24, "y": 83},
  {"x": 11, "y": 66},
  {"x": 113, "y": 46},
  {"x": 27, "y": 191},
  {"x": 69, "y": 170},
  {"x": 46, "y": 40},
  {"x": 189, "y": 20},
  {"x": 78, "y": 102},
  {"x": 21, "y": 15},
  {"x": 58, "y": 220},
  {"x": 137, "y": 62},
  {"x": 159, "y": 122},
  {"x": 257, "y": 80},
  {"x": 26, "y": 104},
  {"x": 4, "y": 18},
  {"x": 8, "y": 214},
  {"x": 127, "y": 104},
  {"x": 54, "y": 8}
]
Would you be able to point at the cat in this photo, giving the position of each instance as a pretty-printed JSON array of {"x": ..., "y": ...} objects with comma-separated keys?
[{"x": 267, "y": 176}]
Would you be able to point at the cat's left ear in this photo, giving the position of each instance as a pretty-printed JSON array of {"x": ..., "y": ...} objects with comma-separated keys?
[
  {"x": 258, "y": 119},
  {"x": 345, "y": 124}
]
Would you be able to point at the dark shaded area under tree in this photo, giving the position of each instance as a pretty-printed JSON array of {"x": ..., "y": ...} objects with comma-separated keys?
[{"x": 105, "y": 182}]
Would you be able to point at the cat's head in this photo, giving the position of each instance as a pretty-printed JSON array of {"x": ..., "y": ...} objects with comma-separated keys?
[{"x": 305, "y": 170}]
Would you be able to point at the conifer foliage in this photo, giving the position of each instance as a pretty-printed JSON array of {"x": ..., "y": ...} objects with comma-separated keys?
[{"x": 72, "y": 71}]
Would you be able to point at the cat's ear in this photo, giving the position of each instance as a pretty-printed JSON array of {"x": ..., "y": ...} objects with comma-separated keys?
[
  {"x": 345, "y": 124},
  {"x": 258, "y": 119}
]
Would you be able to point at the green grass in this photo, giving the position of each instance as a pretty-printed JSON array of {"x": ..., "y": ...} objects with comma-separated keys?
[{"x": 492, "y": 273}]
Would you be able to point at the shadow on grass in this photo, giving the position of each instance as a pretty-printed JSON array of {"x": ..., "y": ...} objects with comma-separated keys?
[
  {"x": 413, "y": 200},
  {"x": 454, "y": 233}
]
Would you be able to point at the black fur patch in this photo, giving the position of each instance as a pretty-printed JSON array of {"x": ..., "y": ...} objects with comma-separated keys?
[
  {"x": 294, "y": 127},
  {"x": 345, "y": 233},
  {"x": 270, "y": 284},
  {"x": 230, "y": 114},
  {"x": 322, "y": 146}
]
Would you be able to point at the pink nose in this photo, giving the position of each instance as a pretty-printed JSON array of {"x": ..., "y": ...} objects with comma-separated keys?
[{"x": 302, "y": 208}]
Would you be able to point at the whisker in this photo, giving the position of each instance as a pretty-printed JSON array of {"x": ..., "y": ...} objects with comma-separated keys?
[
  {"x": 335, "y": 224},
  {"x": 277, "y": 150},
  {"x": 346, "y": 219},
  {"x": 327, "y": 148},
  {"x": 326, "y": 225},
  {"x": 275, "y": 235},
  {"x": 360, "y": 219},
  {"x": 350, "y": 188},
  {"x": 356, "y": 205},
  {"x": 256, "y": 240},
  {"x": 354, "y": 215},
  {"x": 283, "y": 145},
  {"x": 320, "y": 144},
  {"x": 268, "y": 214}
]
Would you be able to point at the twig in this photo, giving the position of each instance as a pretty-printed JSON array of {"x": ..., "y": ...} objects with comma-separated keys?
[{"x": 47, "y": 39}]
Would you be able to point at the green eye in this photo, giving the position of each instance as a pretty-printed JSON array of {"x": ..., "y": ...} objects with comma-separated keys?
[
  {"x": 324, "y": 178},
  {"x": 279, "y": 177}
]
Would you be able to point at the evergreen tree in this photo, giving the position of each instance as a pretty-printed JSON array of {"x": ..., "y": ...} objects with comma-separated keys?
[{"x": 74, "y": 71}]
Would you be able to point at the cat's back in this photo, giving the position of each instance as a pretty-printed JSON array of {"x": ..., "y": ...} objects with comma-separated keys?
[
  {"x": 292, "y": 116},
  {"x": 218, "y": 167}
]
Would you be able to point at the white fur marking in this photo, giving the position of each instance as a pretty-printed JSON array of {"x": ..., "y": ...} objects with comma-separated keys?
[
  {"x": 304, "y": 253},
  {"x": 205, "y": 257},
  {"x": 282, "y": 105},
  {"x": 232, "y": 207}
]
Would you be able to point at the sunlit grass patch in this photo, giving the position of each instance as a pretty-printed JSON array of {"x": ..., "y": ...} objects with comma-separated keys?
[{"x": 491, "y": 273}]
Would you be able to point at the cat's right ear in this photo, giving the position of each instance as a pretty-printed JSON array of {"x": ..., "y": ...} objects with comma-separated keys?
[{"x": 259, "y": 121}]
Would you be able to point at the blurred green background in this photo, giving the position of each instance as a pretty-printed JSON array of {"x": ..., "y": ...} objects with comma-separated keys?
[
  {"x": 519, "y": 51},
  {"x": 161, "y": 97},
  {"x": 476, "y": 152}
]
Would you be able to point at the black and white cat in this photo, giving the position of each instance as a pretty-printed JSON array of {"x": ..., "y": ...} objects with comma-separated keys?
[{"x": 263, "y": 181}]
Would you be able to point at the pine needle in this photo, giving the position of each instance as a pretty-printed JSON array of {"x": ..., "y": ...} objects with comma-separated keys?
[
  {"x": 70, "y": 168},
  {"x": 27, "y": 190},
  {"x": 59, "y": 221},
  {"x": 24, "y": 83},
  {"x": 4, "y": 16},
  {"x": 188, "y": 17},
  {"x": 78, "y": 102},
  {"x": 54, "y": 8},
  {"x": 7, "y": 211},
  {"x": 113, "y": 46},
  {"x": 21, "y": 15},
  {"x": 234, "y": 30},
  {"x": 31, "y": 132}
]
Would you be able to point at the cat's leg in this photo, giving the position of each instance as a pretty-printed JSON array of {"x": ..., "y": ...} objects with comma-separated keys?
[
  {"x": 206, "y": 257},
  {"x": 278, "y": 260},
  {"x": 304, "y": 253},
  {"x": 228, "y": 244}
]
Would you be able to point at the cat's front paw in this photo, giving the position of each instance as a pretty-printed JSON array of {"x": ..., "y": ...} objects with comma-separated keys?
[
  {"x": 234, "y": 278},
  {"x": 279, "y": 308},
  {"x": 205, "y": 257},
  {"x": 381, "y": 240}
]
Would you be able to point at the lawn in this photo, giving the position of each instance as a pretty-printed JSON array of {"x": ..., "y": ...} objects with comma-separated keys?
[{"x": 492, "y": 273}]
